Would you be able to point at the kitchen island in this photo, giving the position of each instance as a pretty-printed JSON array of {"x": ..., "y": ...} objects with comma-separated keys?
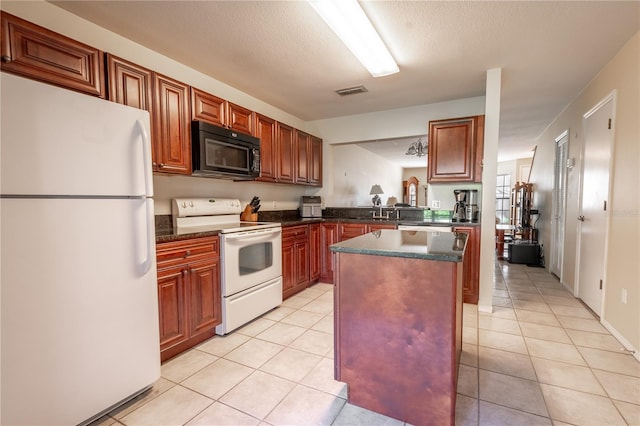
[{"x": 398, "y": 322}]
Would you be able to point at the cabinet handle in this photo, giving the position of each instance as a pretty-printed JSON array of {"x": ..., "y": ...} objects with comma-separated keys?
[
  {"x": 193, "y": 271},
  {"x": 161, "y": 165},
  {"x": 6, "y": 58},
  {"x": 187, "y": 253},
  {"x": 184, "y": 272}
]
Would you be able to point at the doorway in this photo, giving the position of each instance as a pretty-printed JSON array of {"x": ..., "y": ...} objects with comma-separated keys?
[
  {"x": 592, "y": 219},
  {"x": 559, "y": 204},
  {"x": 411, "y": 191}
]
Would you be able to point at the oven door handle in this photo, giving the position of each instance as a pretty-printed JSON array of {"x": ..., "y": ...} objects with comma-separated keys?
[{"x": 252, "y": 236}]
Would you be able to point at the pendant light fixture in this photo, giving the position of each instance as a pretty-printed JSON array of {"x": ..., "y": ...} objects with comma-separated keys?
[{"x": 417, "y": 148}]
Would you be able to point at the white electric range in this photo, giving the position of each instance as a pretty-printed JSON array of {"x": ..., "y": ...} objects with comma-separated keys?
[{"x": 250, "y": 255}]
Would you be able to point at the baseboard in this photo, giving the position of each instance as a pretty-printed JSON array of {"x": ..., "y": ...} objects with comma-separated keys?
[
  {"x": 628, "y": 347},
  {"x": 486, "y": 309}
]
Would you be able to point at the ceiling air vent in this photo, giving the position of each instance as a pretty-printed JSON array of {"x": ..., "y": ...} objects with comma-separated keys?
[{"x": 351, "y": 90}]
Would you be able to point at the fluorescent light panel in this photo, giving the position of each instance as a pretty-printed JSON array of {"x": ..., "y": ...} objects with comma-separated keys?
[{"x": 347, "y": 19}]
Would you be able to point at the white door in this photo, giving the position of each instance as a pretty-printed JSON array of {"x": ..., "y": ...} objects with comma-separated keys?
[
  {"x": 598, "y": 139},
  {"x": 559, "y": 204}
]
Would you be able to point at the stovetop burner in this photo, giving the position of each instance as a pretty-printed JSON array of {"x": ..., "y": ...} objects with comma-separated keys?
[{"x": 192, "y": 215}]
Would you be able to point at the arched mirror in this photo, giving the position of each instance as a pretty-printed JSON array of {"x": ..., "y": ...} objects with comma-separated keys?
[{"x": 411, "y": 191}]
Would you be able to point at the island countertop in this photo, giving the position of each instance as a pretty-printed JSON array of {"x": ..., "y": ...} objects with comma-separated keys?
[{"x": 428, "y": 245}]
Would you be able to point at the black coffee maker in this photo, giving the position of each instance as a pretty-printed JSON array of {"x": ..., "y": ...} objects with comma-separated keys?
[{"x": 460, "y": 208}]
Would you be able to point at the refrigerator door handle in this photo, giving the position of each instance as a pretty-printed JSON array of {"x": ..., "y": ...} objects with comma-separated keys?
[
  {"x": 146, "y": 153},
  {"x": 150, "y": 225}
]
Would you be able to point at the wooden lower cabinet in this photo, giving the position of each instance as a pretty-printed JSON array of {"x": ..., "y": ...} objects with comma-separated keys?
[
  {"x": 351, "y": 230},
  {"x": 471, "y": 264},
  {"x": 188, "y": 293},
  {"x": 295, "y": 259},
  {"x": 314, "y": 252},
  {"x": 334, "y": 232},
  {"x": 328, "y": 236}
]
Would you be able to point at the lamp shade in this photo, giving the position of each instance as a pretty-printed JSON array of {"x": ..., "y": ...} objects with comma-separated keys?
[{"x": 376, "y": 190}]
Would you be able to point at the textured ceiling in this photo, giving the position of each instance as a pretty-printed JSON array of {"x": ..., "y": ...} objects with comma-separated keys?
[{"x": 284, "y": 54}]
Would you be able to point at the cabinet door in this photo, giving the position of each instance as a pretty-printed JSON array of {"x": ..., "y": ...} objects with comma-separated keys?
[
  {"x": 35, "y": 52},
  {"x": 302, "y": 148},
  {"x": 129, "y": 84},
  {"x": 471, "y": 264},
  {"x": 286, "y": 153},
  {"x": 204, "y": 297},
  {"x": 239, "y": 118},
  {"x": 288, "y": 268},
  {"x": 301, "y": 260},
  {"x": 171, "y": 125},
  {"x": 350, "y": 230},
  {"x": 315, "y": 252},
  {"x": 172, "y": 306},
  {"x": 206, "y": 107},
  {"x": 315, "y": 162},
  {"x": 451, "y": 150},
  {"x": 265, "y": 130},
  {"x": 328, "y": 236}
]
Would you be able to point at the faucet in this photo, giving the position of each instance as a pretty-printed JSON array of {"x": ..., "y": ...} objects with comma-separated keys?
[{"x": 380, "y": 216}]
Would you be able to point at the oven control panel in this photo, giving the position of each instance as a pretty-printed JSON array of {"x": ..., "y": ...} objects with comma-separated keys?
[{"x": 185, "y": 207}]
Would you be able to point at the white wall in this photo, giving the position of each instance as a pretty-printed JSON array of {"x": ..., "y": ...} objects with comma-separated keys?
[
  {"x": 355, "y": 170},
  {"x": 621, "y": 74},
  {"x": 490, "y": 165}
]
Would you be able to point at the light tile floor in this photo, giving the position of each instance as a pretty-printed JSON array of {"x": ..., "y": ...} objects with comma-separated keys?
[{"x": 541, "y": 358}]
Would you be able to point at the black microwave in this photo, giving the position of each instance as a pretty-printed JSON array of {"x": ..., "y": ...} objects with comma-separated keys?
[{"x": 223, "y": 153}]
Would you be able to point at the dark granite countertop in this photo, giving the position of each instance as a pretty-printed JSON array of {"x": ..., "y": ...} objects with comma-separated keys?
[
  {"x": 166, "y": 233},
  {"x": 442, "y": 246}
]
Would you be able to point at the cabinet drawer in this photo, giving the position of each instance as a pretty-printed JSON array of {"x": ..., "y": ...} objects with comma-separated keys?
[
  {"x": 295, "y": 232},
  {"x": 169, "y": 254}
]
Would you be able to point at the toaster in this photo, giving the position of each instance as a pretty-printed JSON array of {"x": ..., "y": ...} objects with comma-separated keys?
[{"x": 311, "y": 206}]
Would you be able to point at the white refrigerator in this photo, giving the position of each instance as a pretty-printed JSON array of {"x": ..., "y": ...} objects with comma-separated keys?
[{"x": 78, "y": 300}]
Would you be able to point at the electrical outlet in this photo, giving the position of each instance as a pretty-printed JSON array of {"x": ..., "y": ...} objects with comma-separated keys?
[
  {"x": 623, "y": 296},
  {"x": 435, "y": 204}
]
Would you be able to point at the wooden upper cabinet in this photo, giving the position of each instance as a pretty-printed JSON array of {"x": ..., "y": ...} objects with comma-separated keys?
[
  {"x": 315, "y": 162},
  {"x": 302, "y": 147},
  {"x": 285, "y": 166},
  {"x": 308, "y": 150},
  {"x": 265, "y": 129},
  {"x": 453, "y": 150},
  {"x": 217, "y": 111},
  {"x": 206, "y": 107},
  {"x": 129, "y": 84},
  {"x": 239, "y": 118},
  {"x": 35, "y": 52},
  {"x": 171, "y": 126}
]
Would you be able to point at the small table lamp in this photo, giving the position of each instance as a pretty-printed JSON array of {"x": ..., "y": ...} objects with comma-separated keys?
[{"x": 376, "y": 191}]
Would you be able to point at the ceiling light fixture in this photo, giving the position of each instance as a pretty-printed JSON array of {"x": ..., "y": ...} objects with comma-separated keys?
[
  {"x": 347, "y": 19},
  {"x": 417, "y": 148}
]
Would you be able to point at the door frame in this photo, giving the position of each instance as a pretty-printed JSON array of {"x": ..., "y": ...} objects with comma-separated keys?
[
  {"x": 611, "y": 97},
  {"x": 557, "y": 250}
]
